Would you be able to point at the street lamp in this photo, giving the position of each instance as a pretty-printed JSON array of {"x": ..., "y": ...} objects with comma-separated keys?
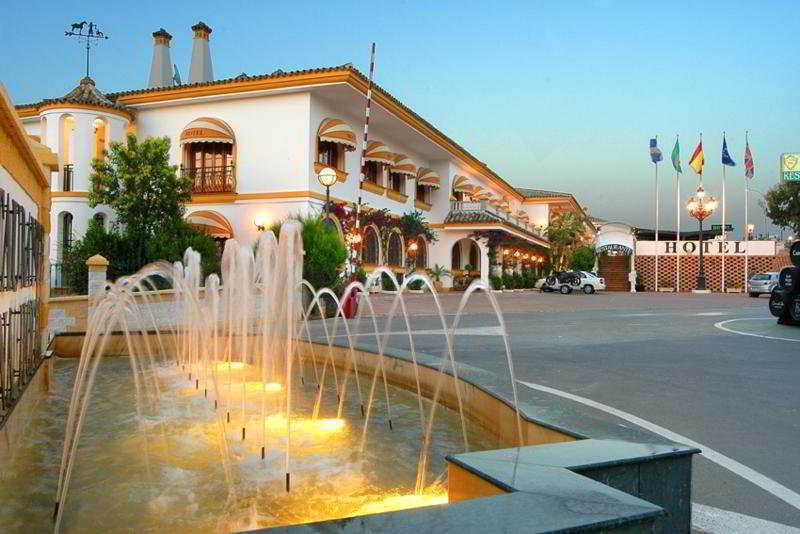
[
  {"x": 701, "y": 206},
  {"x": 260, "y": 222},
  {"x": 327, "y": 177}
]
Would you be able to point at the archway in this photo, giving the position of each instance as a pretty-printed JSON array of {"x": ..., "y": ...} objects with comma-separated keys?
[
  {"x": 394, "y": 253},
  {"x": 371, "y": 249},
  {"x": 466, "y": 262}
]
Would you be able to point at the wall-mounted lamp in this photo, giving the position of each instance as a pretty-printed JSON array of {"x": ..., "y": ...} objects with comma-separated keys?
[{"x": 260, "y": 222}]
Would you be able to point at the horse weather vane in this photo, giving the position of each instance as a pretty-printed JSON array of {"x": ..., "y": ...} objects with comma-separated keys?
[{"x": 93, "y": 34}]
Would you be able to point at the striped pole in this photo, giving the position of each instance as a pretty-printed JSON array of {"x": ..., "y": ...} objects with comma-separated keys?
[{"x": 366, "y": 132}]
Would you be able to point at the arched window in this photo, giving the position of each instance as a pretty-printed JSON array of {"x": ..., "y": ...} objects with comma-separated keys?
[
  {"x": 100, "y": 138},
  {"x": 395, "y": 254},
  {"x": 66, "y": 151},
  {"x": 43, "y": 131},
  {"x": 475, "y": 256},
  {"x": 371, "y": 246},
  {"x": 421, "y": 261},
  {"x": 101, "y": 219},
  {"x": 65, "y": 235},
  {"x": 208, "y": 156},
  {"x": 456, "y": 256}
]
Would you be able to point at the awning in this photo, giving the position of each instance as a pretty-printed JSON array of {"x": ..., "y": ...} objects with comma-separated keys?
[
  {"x": 483, "y": 195},
  {"x": 403, "y": 165},
  {"x": 428, "y": 178},
  {"x": 337, "y": 131},
  {"x": 206, "y": 131},
  {"x": 523, "y": 215},
  {"x": 379, "y": 152},
  {"x": 211, "y": 223},
  {"x": 461, "y": 185}
]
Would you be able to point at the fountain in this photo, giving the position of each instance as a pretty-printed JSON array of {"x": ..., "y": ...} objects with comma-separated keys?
[{"x": 239, "y": 375}]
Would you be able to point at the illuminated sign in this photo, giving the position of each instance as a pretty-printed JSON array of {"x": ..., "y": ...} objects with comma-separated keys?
[{"x": 790, "y": 167}]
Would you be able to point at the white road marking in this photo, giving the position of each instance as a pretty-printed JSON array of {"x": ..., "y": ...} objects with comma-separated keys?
[
  {"x": 709, "y": 314},
  {"x": 767, "y": 484},
  {"x": 708, "y": 519},
  {"x": 721, "y": 326}
]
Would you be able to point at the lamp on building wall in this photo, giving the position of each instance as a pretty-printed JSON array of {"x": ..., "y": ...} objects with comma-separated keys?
[
  {"x": 260, "y": 222},
  {"x": 413, "y": 247},
  {"x": 701, "y": 207},
  {"x": 327, "y": 177}
]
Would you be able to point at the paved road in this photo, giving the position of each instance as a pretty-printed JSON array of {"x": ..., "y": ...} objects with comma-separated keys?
[{"x": 659, "y": 358}]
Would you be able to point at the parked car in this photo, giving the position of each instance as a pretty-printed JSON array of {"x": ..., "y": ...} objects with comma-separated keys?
[
  {"x": 590, "y": 282},
  {"x": 762, "y": 283}
]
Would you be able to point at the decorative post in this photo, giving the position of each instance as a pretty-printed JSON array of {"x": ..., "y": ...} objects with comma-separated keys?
[
  {"x": 701, "y": 207},
  {"x": 98, "y": 267}
]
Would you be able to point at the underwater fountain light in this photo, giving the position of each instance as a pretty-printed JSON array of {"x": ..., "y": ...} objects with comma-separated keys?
[
  {"x": 313, "y": 427},
  {"x": 228, "y": 366},
  {"x": 273, "y": 387}
]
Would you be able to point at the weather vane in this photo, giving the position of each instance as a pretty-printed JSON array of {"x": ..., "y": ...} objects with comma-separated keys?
[{"x": 92, "y": 33}]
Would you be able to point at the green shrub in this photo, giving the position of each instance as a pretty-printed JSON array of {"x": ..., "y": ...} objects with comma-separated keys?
[
  {"x": 416, "y": 285},
  {"x": 386, "y": 283},
  {"x": 508, "y": 281},
  {"x": 495, "y": 281},
  {"x": 325, "y": 253},
  {"x": 582, "y": 259},
  {"x": 517, "y": 281}
]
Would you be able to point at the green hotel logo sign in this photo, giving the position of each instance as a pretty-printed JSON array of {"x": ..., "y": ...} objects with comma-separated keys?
[{"x": 790, "y": 167}]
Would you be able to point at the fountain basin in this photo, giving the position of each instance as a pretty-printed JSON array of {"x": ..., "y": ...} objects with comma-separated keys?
[{"x": 641, "y": 482}]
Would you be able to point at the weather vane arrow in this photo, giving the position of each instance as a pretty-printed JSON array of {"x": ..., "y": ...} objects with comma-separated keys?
[{"x": 93, "y": 34}]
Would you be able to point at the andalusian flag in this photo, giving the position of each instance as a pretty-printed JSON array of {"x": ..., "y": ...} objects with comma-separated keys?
[
  {"x": 676, "y": 157},
  {"x": 697, "y": 160}
]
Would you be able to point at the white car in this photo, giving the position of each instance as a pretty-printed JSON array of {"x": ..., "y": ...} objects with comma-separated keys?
[{"x": 590, "y": 282}]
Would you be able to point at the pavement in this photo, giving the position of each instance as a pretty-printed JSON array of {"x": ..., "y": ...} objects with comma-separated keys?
[{"x": 711, "y": 369}]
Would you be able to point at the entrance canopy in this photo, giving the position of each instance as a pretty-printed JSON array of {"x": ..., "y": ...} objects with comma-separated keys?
[{"x": 615, "y": 238}]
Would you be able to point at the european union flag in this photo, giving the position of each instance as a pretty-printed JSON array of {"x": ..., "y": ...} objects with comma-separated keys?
[
  {"x": 655, "y": 152},
  {"x": 726, "y": 158}
]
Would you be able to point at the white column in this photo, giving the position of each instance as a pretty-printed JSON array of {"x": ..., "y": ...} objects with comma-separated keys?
[
  {"x": 83, "y": 152},
  {"x": 484, "y": 264}
]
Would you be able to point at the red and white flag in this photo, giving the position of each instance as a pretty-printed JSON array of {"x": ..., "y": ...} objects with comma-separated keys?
[{"x": 748, "y": 162}]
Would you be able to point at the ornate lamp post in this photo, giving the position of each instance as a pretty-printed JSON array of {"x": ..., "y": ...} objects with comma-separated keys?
[
  {"x": 327, "y": 177},
  {"x": 701, "y": 206}
]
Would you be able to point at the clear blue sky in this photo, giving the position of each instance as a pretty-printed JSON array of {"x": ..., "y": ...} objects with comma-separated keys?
[{"x": 551, "y": 96}]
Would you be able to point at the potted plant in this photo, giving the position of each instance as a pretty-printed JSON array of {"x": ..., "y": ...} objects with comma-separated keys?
[{"x": 437, "y": 273}]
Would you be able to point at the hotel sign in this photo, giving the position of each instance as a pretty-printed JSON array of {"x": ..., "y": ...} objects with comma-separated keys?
[
  {"x": 790, "y": 167},
  {"x": 710, "y": 248}
]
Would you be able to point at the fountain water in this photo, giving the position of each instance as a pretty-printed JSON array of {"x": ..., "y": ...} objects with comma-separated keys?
[{"x": 238, "y": 343}]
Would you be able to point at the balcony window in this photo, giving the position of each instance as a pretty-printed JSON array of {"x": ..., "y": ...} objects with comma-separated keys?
[
  {"x": 330, "y": 154},
  {"x": 210, "y": 165},
  {"x": 397, "y": 182},
  {"x": 372, "y": 172}
]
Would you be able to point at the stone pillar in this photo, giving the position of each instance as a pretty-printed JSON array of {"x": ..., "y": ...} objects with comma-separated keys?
[{"x": 98, "y": 266}]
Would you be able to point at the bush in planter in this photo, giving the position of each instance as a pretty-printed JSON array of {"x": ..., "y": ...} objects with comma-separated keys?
[
  {"x": 325, "y": 253},
  {"x": 518, "y": 284},
  {"x": 495, "y": 282},
  {"x": 386, "y": 283},
  {"x": 508, "y": 281},
  {"x": 416, "y": 285}
]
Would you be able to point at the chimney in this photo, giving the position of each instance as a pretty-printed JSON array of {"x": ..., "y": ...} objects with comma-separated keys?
[
  {"x": 161, "y": 68},
  {"x": 200, "y": 68}
]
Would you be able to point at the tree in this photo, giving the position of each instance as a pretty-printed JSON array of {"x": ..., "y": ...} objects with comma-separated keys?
[
  {"x": 783, "y": 205},
  {"x": 325, "y": 253},
  {"x": 145, "y": 191},
  {"x": 582, "y": 259},
  {"x": 565, "y": 233}
]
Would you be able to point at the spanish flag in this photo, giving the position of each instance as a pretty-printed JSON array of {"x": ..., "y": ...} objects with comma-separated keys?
[{"x": 697, "y": 160}]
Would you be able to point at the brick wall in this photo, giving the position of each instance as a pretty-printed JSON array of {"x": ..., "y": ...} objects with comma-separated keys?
[{"x": 734, "y": 270}]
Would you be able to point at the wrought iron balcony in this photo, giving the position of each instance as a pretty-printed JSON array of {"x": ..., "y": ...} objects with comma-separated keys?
[
  {"x": 66, "y": 177},
  {"x": 484, "y": 207},
  {"x": 211, "y": 179}
]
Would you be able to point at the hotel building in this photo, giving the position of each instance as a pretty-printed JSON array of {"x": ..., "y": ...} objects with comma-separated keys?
[{"x": 254, "y": 144}]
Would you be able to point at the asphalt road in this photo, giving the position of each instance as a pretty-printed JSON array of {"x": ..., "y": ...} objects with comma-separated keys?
[{"x": 659, "y": 358}]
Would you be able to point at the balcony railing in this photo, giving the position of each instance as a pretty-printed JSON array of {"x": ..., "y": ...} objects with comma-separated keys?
[
  {"x": 66, "y": 177},
  {"x": 485, "y": 206},
  {"x": 211, "y": 179}
]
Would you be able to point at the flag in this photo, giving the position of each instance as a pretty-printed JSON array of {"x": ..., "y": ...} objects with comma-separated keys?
[
  {"x": 676, "y": 157},
  {"x": 697, "y": 160},
  {"x": 748, "y": 162},
  {"x": 655, "y": 152},
  {"x": 726, "y": 158}
]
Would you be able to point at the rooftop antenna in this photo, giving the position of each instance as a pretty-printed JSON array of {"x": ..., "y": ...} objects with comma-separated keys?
[{"x": 93, "y": 34}]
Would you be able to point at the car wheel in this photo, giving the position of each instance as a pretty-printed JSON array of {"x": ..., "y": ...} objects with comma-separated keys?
[
  {"x": 588, "y": 289},
  {"x": 565, "y": 290},
  {"x": 754, "y": 295}
]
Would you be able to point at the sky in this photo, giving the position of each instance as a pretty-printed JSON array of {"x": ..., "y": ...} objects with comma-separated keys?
[{"x": 551, "y": 95}]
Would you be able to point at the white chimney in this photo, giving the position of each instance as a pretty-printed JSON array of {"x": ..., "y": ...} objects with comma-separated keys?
[
  {"x": 200, "y": 67},
  {"x": 161, "y": 68}
]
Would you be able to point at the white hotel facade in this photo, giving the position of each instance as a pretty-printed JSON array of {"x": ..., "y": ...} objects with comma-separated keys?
[{"x": 254, "y": 145}]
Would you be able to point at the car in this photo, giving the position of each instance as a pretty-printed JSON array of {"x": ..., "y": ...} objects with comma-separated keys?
[
  {"x": 762, "y": 283},
  {"x": 590, "y": 282}
]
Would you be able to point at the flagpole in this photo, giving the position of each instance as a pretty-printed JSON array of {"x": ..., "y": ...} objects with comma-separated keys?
[
  {"x": 724, "y": 233},
  {"x": 746, "y": 218},
  {"x": 656, "y": 166},
  {"x": 678, "y": 230}
]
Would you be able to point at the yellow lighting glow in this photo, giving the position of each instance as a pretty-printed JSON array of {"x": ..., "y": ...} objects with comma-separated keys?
[
  {"x": 227, "y": 366},
  {"x": 402, "y": 502},
  {"x": 316, "y": 427},
  {"x": 273, "y": 387}
]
